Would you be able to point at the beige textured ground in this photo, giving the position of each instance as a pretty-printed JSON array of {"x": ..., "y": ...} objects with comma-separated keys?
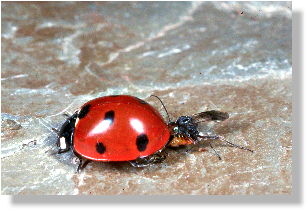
[{"x": 234, "y": 57}]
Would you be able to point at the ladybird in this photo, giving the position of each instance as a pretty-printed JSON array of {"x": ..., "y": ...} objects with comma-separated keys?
[{"x": 126, "y": 128}]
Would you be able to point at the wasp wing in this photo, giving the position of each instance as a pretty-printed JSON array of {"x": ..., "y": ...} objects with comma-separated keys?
[{"x": 212, "y": 115}]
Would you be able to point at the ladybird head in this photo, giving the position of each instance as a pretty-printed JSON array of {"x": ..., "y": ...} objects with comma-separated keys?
[{"x": 65, "y": 135}]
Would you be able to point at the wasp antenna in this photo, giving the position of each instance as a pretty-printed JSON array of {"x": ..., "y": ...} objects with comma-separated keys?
[
  {"x": 163, "y": 106},
  {"x": 238, "y": 146}
]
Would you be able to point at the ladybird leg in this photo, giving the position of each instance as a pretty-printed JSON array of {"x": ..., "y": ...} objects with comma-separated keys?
[
  {"x": 60, "y": 151},
  {"x": 55, "y": 130},
  {"x": 142, "y": 162},
  {"x": 66, "y": 115},
  {"x": 157, "y": 158},
  {"x": 82, "y": 164}
]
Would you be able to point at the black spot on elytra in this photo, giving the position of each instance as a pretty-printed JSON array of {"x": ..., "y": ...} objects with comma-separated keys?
[
  {"x": 141, "y": 101},
  {"x": 100, "y": 148},
  {"x": 142, "y": 142},
  {"x": 84, "y": 111},
  {"x": 109, "y": 116},
  {"x": 114, "y": 95}
]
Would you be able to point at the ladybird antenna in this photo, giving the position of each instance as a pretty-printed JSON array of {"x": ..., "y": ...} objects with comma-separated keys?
[{"x": 163, "y": 106}]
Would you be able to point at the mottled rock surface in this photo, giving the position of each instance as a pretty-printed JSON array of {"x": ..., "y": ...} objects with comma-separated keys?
[{"x": 234, "y": 57}]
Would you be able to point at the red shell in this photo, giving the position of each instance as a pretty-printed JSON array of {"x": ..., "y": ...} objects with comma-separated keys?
[{"x": 132, "y": 117}]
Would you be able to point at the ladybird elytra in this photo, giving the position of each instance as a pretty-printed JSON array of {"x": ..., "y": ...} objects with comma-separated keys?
[{"x": 125, "y": 126}]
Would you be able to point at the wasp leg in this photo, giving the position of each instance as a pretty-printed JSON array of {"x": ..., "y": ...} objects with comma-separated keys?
[
  {"x": 223, "y": 139},
  {"x": 217, "y": 154}
]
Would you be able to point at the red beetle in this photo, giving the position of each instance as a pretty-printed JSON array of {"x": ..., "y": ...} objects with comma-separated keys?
[{"x": 126, "y": 128}]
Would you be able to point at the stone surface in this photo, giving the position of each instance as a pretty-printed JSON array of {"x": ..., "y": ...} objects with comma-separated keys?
[{"x": 234, "y": 57}]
